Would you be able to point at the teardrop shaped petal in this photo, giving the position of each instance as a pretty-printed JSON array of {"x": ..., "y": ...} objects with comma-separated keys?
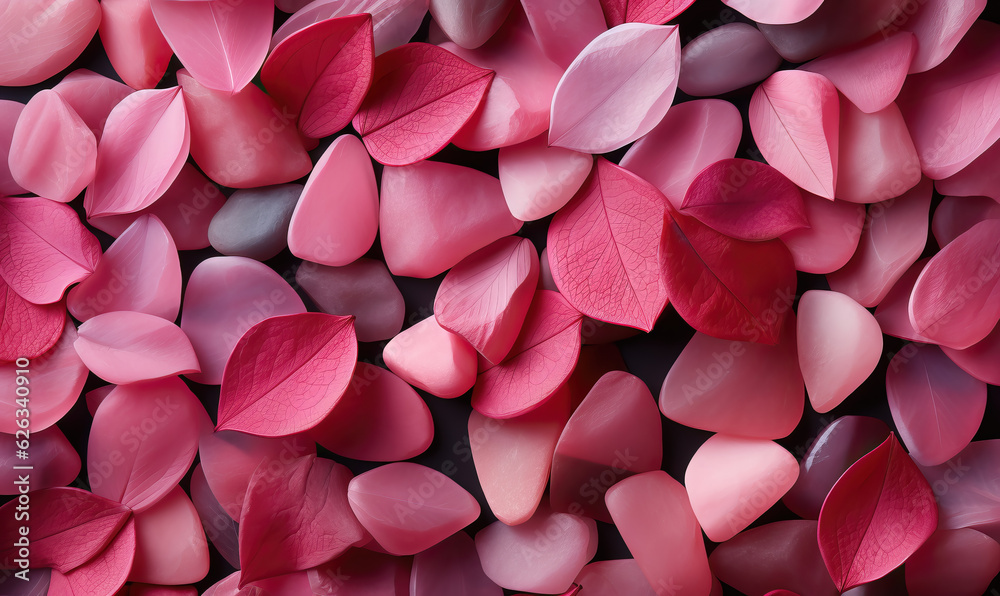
[
  {"x": 133, "y": 41},
  {"x": 432, "y": 358},
  {"x": 537, "y": 180},
  {"x": 125, "y": 347}
]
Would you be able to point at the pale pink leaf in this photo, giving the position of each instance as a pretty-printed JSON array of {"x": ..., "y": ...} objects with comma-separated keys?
[
  {"x": 655, "y": 12},
  {"x": 44, "y": 37},
  {"x": 939, "y": 26},
  {"x": 563, "y": 34},
  {"x": 92, "y": 96},
  {"x": 27, "y": 330},
  {"x": 133, "y": 42},
  {"x": 170, "y": 546},
  {"x": 832, "y": 237},
  {"x": 125, "y": 347},
  {"x": 394, "y": 21},
  {"x": 775, "y": 12},
  {"x": 106, "y": 572}
]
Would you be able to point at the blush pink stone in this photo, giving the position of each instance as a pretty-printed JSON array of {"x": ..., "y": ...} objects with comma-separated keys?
[
  {"x": 336, "y": 218},
  {"x": 616, "y": 577},
  {"x": 55, "y": 461},
  {"x": 469, "y": 23},
  {"x": 839, "y": 344},
  {"x": 170, "y": 545},
  {"x": 832, "y": 238},
  {"x": 44, "y": 37},
  {"x": 92, "y": 96},
  {"x": 10, "y": 111},
  {"x": 877, "y": 158},
  {"x": 538, "y": 180},
  {"x": 451, "y": 567},
  {"x": 432, "y": 358},
  {"x": 653, "y": 513},
  {"x": 725, "y": 59},
  {"x": 408, "y": 507},
  {"x": 958, "y": 562}
]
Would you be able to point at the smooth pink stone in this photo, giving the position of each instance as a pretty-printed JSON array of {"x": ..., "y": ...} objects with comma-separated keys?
[
  {"x": 394, "y": 22},
  {"x": 979, "y": 359},
  {"x": 544, "y": 554},
  {"x": 10, "y": 111},
  {"x": 538, "y": 180},
  {"x": 225, "y": 296},
  {"x": 654, "y": 516},
  {"x": 55, "y": 461},
  {"x": 716, "y": 385},
  {"x": 432, "y": 358},
  {"x": 893, "y": 314},
  {"x": 408, "y": 508},
  {"x": 170, "y": 546},
  {"x": 733, "y": 480},
  {"x": 832, "y": 238},
  {"x": 939, "y": 25},
  {"x": 877, "y": 158},
  {"x": 125, "y": 347},
  {"x": 57, "y": 378},
  {"x": 956, "y": 562},
  {"x": 617, "y": 577},
  {"x": 833, "y": 26},
  {"x": 692, "y": 136},
  {"x": 966, "y": 488},
  {"x": 725, "y": 59},
  {"x": 839, "y": 345},
  {"x": 565, "y": 31},
  {"x": 360, "y": 572},
  {"x": 92, "y": 96},
  {"x": 95, "y": 397},
  {"x": 336, "y": 218},
  {"x": 424, "y": 231},
  {"x": 613, "y": 434},
  {"x": 894, "y": 235},
  {"x": 220, "y": 528},
  {"x": 451, "y": 567},
  {"x": 980, "y": 177},
  {"x": 56, "y": 154},
  {"x": 243, "y": 140},
  {"x": 139, "y": 272},
  {"x": 956, "y": 215},
  {"x": 43, "y": 37},
  {"x": 783, "y": 553},
  {"x": 379, "y": 418},
  {"x": 133, "y": 42},
  {"x": 836, "y": 448},
  {"x": 469, "y": 23},
  {"x": 363, "y": 289}
]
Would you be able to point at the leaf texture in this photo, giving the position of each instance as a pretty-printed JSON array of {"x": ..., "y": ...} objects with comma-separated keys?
[
  {"x": 27, "y": 330},
  {"x": 655, "y": 12}
]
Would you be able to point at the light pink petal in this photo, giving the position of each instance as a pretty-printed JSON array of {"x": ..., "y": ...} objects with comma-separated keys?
[
  {"x": 54, "y": 154},
  {"x": 408, "y": 508},
  {"x": 654, "y": 516},
  {"x": 839, "y": 345},
  {"x": 772, "y": 12},
  {"x": 939, "y": 26},
  {"x": 961, "y": 562},
  {"x": 106, "y": 572},
  {"x": 832, "y": 237},
  {"x": 980, "y": 177},
  {"x": 170, "y": 546},
  {"x": 451, "y": 567},
  {"x": 10, "y": 111},
  {"x": 725, "y": 59},
  {"x": 336, "y": 218},
  {"x": 44, "y": 248},
  {"x": 469, "y": 23},
  {"x": 361, "y": 572},
  {"x": 564, "y": 32},
  {"x": 537, "y": 180},
  {"x": 936, "y": 406},
  {"x": 54, "y": 459},
  {"x": 655, "y": 12},
  {"x": 716, "y": 385},
  {"x": 143, "y": 441},
  {"x": 125, "y": 347},
  {"x": 133, "y": 41},
  {"x": 322, "y": 72},
  {"x": 27, "y": 330},
  {"x": 56, "y": 377},
  {"x": 92, "y": 96},
  {"x": 979, "y": 359},
  {"x": 733, "y": 480},
  {"x": 225, "y": 296},
  {"x": 966, "y": 488},
  {"x": 220, "y": 528},
  {"x": 616, "y": 577},
  {"x": 877, "y": 157},
  {"x": 394, "y": 21},
  {"x": 379, "y": 418},
  {"x": 894, "y": 235},
  {"x": 692, "y": 136},
  {"x": 954, "y": 216},
  {"x": 424, "y": 231},
  {"x": 956, "y": 299},
  {"x": 617, "y": 89},
  {"x": 44, "y": 37},
  {"x": 794, "y": 116},
  {"x": 893, "y": 313},
  {"x": 870, "y": 75},
  {"x": 432, "y": 358}
]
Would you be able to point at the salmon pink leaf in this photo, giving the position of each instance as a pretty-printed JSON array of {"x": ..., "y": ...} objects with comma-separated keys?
[
  {"x": 655, "y": 12},
  {"x": 27, "y": 330}
]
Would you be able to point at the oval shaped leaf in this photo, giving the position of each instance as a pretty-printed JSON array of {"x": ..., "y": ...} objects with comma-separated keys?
[
  {"x": 27, "y": 330},
  {"x": 655, "y": 12}
]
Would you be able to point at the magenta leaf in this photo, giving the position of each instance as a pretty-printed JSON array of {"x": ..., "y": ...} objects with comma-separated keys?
[
  {"x": 322, "y": 72},
  {"x": 124, "y": 347},
  {"x": 287, "y": 373},
  {"x": 604, "y": 248},
  {"x": 106, "y": 572},
  {"x": 655, "y": 12},
  {"x": 43, "y": 39},
  {"x": 421, "y": 95},
  {"x": 775, "y": 12},
  {"x": 170, "y": 544},
  {"x": 27, "y": 330},
  {"x": 618, "y": 88},
  {"x": 296, "y": 518},
  {"x": 44, "y": 248},
  {"x": 878, "y": 513},
  {"x": 133, "y": 42}
]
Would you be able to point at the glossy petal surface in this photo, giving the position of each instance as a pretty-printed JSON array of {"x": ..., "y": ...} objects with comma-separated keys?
[
  {"x": 538, "y": 180},
  {"x": 939, "y": 27},
  {"x": 44, "y": 37},
  {"x": 92, "y": 96},
  {"x": 563, "y": 34},
  {"x": 980, "y": 358},
  {"x": 432, "y": 358},
  {"x": 832, "y": 237},
  {"x": 775, "y": 13},
  {"x": 451, "y": 567},
  {"x": 470, "y": 23},
  {"x": 877, "y": 158},
  {"x": 253, "y": 223},
  {"x": 133, "y": 41},
  {"x": 170, "y": 546},
  {"x": 124, "y": 347}
]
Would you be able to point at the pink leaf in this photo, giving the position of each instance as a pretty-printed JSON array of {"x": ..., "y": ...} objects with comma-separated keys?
[
  {"x": 431, "y": 358},
  {"x": 794, "y": 116},
  {"x": 937, "y": 406},
  {"x": 44, "y": 38},
  {"x": 655, "y": 12},
  {"x": 92, "y": 97},
  {"x": 954, "y": 216},
  {"x": 145, "y": 143},
  {"x": 402, "y": 122},
  {"x": 143, "y": 441},
  {"x": 564, "y": 33},
  {"x": 832, "y": 237},
  {"x": 220, "y": 528},
  {"x": 287, "y": 373},
  {"x": 773, "y": 12},
  {"x": 296, "y": 519},
  {"x": 394, "y": 21},
  {"x": 470, "y": 23},
  {"x": 221, "y": 45},
  {"x": 617, "y": 89},
  {"x": 604, "y": 248},
  {"x": 107, "y": 571},
  {"x": 956, "y": 299},
  {"x": 170, "y": 544},
  {"x": 879, "y": 512},
  {"x": 44, "y": 248},
  {"x": 68, "y": 527},
  {"x": 322, "y": 72},
  {"x": 939, "y": 26},
  {"x": 540, "y": 361},
  {"x": 125, "y": 347},
  {"x": 133, "y": 42},
  {"x": 10, "y": 111},
  {"x": 726, "y": 288},
  {"x": 27, "y": 330},
  {"x": 725, "y": 59}
]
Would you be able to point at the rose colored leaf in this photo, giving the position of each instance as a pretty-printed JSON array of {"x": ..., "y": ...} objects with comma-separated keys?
[
  {"x": 133, "y": 42},
  {"x": 954, "y": 216},
  {"x": 125, "y": 347},
  {"x": 106, "y": 572},
  {"x": 432, "y": 358},
  {"x": 219, "y": 44},
  {"x": 27, "y": 330},
  {"x": 980, "y": 177},
  {"x": 564, "y": 32},
  {"x": 68, "y": 527},
  {"x": 394, "y": 21},
  {"x": 894, "y": 235},
  {"x": 771, "y": 12},
  {"x": 322, "y": 72},
  {"x": 956, "y": 299},
  {"x": 962, "y": 562},
  {"x": 143, "y": 441},
  {"x": 43, "y": 38},
  {"x": 451, "y": 567},
  {"x": 225, "y": 296},
  {"x": 893, "y": 313},
  {"x": 10, "y": 111},
  {"x": 725, "y": 59},
  {"x": 58, "y": 374},
  {"x": 170, "y": 546},
  {"x": 878, "y": 513},
  {"x": 383, "y": 499},
  {"x": 655, "y": 12},
  {"x": 540, "y": 361},
  {"x": 92, "y": 96},
  {"x": 723, "y": 287},
  {"x": 44, "y": 248},
  {"x": 692, "y": 136},
  {"x": 362, "y": 572},
  {"x": 832, "y": 237},
  {"x": 55, "y": 461},
  {"x": 403, "y": 122},
  {"x": 469, "y": 23},
  {"x": 936, "y": 406},
  {"x": 939, "y": 26},
  {"x": 979, "y": 359},
  {"x": 220, "y": 528},
  {"x": 617, "y": 89},
  {"x": 622, "y": 285},
  {"x": 538, "y": 180},
  {"x": 839, "y": 346}
]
